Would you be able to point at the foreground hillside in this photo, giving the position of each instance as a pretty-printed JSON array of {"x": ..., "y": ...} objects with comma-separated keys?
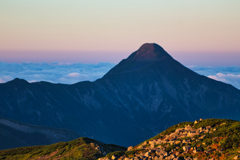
[
  {"x": 15, "y": 134},
  {"x": 203, "y": 139},
  {"x": 82, "y": 148}
]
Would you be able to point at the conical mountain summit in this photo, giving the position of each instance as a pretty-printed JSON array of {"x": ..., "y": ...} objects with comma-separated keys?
[{"x": 149, "y": 52}]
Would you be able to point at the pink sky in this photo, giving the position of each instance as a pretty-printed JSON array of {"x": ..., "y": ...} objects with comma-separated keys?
[{"x": 205, "y": 32}]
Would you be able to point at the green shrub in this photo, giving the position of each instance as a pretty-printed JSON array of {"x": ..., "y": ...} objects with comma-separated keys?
[
  {"x": 170, "y": 147},
  {"x": 61, "y": 152},
  {"x": 193, "y": 144},
  {"x": 212, "y": 122},
  {"x": 130, "y": 154},
  {"x": 196, "y": 136},
  {"x": 230, "y": 142},
  {"x": 116, "y": 153},
  {"x": 173, "y": 128}
]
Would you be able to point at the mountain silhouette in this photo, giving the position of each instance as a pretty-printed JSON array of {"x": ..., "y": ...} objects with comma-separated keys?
[{"x": 138, "y": 98}]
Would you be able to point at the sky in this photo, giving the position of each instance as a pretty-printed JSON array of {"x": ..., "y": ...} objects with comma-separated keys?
[
  {"x": 69, "y": 41},
  {"x": 108, "y": 31}
]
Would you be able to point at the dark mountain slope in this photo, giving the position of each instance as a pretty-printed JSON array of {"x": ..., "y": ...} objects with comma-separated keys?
[
  {"x": 141, "y": 96},
  {"x": 166, "y": 89},
  {"x": 79, "y": 107},
  {"x": 14, "y": 134}
]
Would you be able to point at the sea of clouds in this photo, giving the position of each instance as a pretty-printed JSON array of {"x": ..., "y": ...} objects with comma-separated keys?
[
  {"x": 69, "y": 73},
  {"x": 230, "y": 75}
]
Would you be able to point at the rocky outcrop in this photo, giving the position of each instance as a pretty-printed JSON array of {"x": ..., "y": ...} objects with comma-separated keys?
[{"x": 188, "y": 141}]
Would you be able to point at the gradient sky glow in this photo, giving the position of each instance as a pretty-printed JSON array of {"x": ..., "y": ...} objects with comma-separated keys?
[{"x": 108, "y": 31}]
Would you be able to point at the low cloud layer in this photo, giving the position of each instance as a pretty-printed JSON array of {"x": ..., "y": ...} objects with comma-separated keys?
[
  {"x": 230, "y": 75},
  {"x": 69, "y": 73}
]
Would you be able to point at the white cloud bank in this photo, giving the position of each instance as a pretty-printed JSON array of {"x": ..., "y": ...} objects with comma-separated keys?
[
  {"x": 227, "y": 78},
  {"x": 230, "y": 75},
  {"x": 67, "y": 73}
]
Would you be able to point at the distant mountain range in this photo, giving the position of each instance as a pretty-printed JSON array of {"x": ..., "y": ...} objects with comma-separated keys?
[{"x": 141, "y": 96}]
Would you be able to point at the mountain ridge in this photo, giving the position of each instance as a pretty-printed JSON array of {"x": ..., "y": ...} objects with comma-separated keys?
[
  {"x": 15, "y": 134},
  {"x": 134, "y": 96}
]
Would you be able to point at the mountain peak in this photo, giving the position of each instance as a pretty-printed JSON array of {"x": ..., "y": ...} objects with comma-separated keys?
[
  {"x": 149, "y": 52},
  {"x": 150, "y": 46}
]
